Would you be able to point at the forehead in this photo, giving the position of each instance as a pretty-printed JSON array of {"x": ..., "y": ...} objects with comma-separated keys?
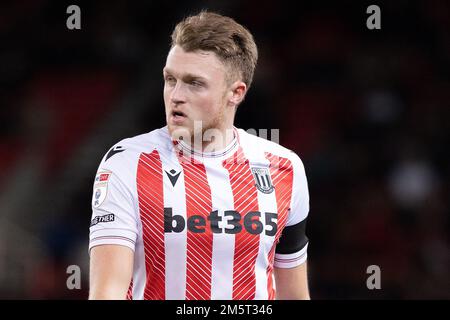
[{"x": 200, "y": 63}]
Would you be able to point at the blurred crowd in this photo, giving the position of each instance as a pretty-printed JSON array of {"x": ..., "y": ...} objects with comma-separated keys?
[{"x": 366, "y": 110}]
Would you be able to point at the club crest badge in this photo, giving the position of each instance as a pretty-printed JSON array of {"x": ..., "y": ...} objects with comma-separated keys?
[{"x": 262, "y": 180}]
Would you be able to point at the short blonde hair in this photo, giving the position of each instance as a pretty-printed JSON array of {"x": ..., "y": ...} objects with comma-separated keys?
[{"x": 231, "y": 42}]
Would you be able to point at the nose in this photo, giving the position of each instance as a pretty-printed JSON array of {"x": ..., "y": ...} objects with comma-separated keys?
[{"x": 178, "y": 95}]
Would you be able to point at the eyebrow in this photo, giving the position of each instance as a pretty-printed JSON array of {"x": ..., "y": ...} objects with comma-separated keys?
[{"x": 186, "y": 76}]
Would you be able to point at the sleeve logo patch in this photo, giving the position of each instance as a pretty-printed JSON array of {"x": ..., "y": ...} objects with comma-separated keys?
[
  {"x": 100, "y": 188},
  {"x": 106, "y": 218},
  {"x": 102, "y": 176},
  {"x": 99, "y": 195}
]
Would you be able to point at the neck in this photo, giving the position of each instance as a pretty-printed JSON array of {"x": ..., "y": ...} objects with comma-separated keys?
[{"x": 213, "y": 140}]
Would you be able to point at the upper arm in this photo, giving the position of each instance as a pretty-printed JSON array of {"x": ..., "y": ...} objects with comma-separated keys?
[
  {"x": 111, "y": 269},
  {"x": 292, "y": 283}
]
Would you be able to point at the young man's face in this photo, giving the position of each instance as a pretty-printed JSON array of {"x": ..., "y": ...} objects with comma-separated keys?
[{"x": 195, "y": 89}]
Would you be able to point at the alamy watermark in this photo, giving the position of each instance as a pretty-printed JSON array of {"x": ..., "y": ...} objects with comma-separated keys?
[
  {"x": 374, "y": 20},
  {"x": 74, "y": 279},
  {"x": 374, "y": 280},
  {"x": 207, "y": 140},
  {"x": 74, "y": 20}
]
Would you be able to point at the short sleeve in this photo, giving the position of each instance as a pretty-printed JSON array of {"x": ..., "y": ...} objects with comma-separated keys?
[
  {"x": 300, "y": 194},
  {"x": 114, "y": 217},
  {"x": 291, "y": 250}
]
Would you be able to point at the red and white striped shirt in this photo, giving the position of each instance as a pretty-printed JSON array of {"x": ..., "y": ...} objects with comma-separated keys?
[{"x": 201, "y": 225}]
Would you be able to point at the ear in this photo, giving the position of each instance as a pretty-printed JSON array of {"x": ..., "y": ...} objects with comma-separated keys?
[{"x": 237, "y": 93}]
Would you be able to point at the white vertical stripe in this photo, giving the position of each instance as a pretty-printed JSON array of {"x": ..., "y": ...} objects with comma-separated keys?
[
  {"x": 175, "y": 243},
  {"x": 267, "y": 203},
  {"x": 139, "y": 272},
  {"x": 223, "y": 244},
  {"x": 139, "y": 276}
]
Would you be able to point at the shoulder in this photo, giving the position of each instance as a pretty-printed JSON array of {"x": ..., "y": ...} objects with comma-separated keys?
[
  {"x": 127, "y": 151},
  {"x": 146, "y": 142},
  {"x": 268, "y": 149}
]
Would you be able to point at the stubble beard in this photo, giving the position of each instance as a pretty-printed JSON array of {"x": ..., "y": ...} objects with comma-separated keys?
[{"x": 194, "y": 133}]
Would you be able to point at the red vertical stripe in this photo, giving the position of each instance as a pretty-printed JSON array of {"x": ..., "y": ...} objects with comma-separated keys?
[
  {"x": 246, "y": 244},
  {"x": 282, "y": 179},
  {"x": 130, "y": 291},
  {"x": 151, "y": 207},
  {"x": 199, "y": 245}
]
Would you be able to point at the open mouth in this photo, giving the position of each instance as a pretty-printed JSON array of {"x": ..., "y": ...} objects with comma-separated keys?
[
  {"x": 177, "y": 117},
  {"x": 178, "y": 114}
]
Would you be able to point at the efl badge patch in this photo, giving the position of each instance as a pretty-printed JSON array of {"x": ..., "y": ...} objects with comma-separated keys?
[
  {"x": 263, "y": 180},
  {"x": 100, "y": 188}
]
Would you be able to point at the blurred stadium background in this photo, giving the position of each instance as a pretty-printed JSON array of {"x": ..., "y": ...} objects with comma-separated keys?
[{"x": 367, "y": 111}]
